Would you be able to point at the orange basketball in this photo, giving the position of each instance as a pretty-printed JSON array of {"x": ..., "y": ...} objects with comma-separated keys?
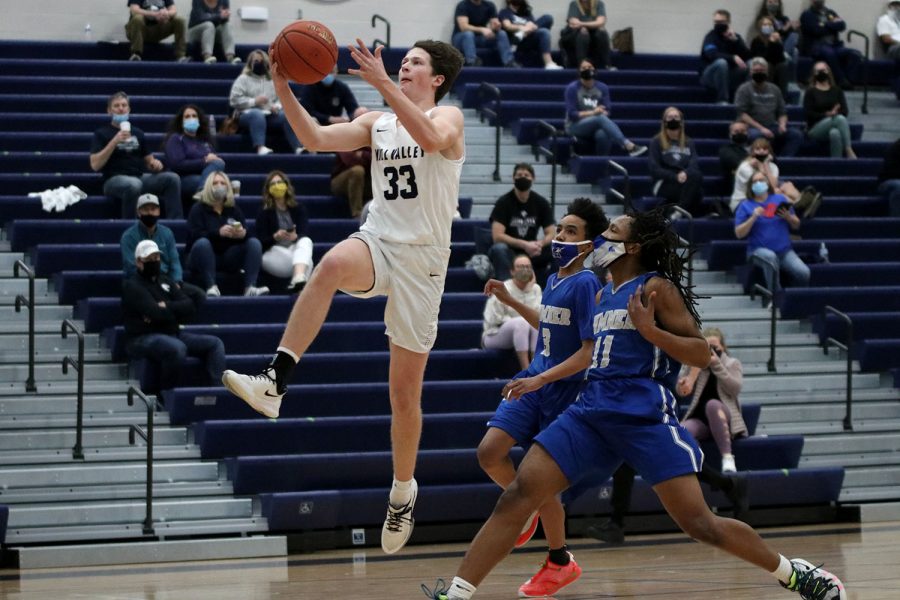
[{"x": 305, "y": 51}]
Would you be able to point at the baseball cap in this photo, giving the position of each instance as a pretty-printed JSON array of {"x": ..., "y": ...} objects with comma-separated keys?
[
  {"x": 145, "y": 248},
  {"x": 147, "y": 199}
]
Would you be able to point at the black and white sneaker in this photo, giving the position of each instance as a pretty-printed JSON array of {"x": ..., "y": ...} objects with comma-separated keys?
[
  {"x": 259, "y": 391},
  {"x": 398, "y": 525},
  {"x": 637, "y": 150},
  {"x": 814, "y": 583}
]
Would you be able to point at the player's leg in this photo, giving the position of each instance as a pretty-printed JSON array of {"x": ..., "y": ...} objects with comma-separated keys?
[
  {"x": 405, "y": 383},
  {"x": 346, "y": 266}
]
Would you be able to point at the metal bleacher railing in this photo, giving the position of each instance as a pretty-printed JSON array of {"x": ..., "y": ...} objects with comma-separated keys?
[
  {"x": 848, "y": 348},
  {"x": 387, "y": 24},
  {"x": 78, "y": 365},
  {"x": 147, "y": 435},
  {"x": 768, "y": 294},
  {"x": 486, "y": 89},
  {"x": 29, "y": 304}
]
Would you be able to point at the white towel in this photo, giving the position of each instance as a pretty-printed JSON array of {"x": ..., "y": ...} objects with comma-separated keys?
[{"x": 57, "y": 200}]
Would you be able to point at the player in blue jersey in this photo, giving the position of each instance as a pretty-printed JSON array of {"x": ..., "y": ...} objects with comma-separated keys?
[
  {"x": 537, "y": 395},
  {"x": 645, "y": 321}
]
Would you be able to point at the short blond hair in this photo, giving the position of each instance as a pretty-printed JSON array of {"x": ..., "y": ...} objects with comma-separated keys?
[{"x": 206, "y": 196}]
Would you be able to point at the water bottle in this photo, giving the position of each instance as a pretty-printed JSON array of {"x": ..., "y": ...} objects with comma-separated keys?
[
  {"x": 823, "y": 253},
  {"x": 88, "y": 33}
]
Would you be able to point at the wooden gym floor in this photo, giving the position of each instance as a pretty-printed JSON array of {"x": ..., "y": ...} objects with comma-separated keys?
[{"x": 866, "y": 557}]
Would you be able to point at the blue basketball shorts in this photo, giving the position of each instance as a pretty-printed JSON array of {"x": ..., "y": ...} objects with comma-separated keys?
[{"x": 522, "y": 419}]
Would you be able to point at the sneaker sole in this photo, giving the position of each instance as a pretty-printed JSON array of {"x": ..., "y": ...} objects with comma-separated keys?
[
  {"x": 251, "y": 402},
  {"x": 569, "y": 581},
  {"x": 526, "y": 536}
]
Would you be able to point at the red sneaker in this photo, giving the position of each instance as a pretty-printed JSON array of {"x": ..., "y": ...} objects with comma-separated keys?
[
  {"x": 528, "y": 531},
  {"x": 550, "y": 579}
]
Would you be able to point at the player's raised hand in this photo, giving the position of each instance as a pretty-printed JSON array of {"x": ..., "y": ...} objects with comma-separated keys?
[
  {"x": 495, "y": 287},
  {"x": 277, "y": 77},
  {"x": 371, "y": 67},
  {"x": 642, "y": 316}
]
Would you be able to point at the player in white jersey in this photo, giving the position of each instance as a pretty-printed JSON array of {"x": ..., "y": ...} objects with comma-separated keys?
[{"x": 401, "y": 251}]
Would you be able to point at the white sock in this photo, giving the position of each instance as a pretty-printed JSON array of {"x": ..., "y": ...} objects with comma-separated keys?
[
  {"x": 289, "y": 352},
  {"x": 784, "y": 571},
  {"x": 400, "y": 492},
  {"x": 460, "y": 589}
]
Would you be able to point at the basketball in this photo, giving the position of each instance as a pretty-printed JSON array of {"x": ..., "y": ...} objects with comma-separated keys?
[{"x": 305, "y": 51}]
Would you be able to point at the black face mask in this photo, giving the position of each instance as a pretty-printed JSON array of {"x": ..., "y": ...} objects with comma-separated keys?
[
  {"x": 720, "y": 28},
  {"x": 673, "y": 124},
  {"x": 259, "y": 68},
  {"x": 523, "y": 184},
  {"x": 739, "y": 138},
  {"x": 151, "y": 269},
  {"x": 759, "y": 77},
  {"x": 821, "y": 76},
  {"x": 586, "y": 73},
  {"x": 818, "y": 4},
  {"x": 761, "y": 157},
  {"x": 149, "y": 221}
]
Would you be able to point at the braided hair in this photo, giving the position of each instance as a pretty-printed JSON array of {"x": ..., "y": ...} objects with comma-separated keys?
[{"x": 659, "y": 252}]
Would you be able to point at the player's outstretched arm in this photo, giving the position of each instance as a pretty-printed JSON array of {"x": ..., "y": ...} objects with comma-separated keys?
[
  {"x": 579, "y": 361},
  {"x": 442, "y": 131},
  {"x": 340, "y": 137},
  {"x": 659, "y": 314}
]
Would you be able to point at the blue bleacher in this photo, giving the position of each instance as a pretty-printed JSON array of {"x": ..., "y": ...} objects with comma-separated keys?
[
  {"x": 723, "y": 255},
  {"x": 4, "y": 520}
]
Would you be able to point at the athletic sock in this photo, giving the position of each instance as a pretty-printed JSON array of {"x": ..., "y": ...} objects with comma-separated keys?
[
  {"x": 560, "y": 556},
  {"x": 400, "y": 492},
  {"x": 784, "y": 571},
  {"x": 283, "y": 364},
  {"x": 460, "y": 589}
]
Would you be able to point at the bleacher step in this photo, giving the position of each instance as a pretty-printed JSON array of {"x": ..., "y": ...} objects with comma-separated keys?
[
  {"x": 62, "y": 403},
  {"x": 52, "y": 356},
  {"x": 67, "y": 421},
  {"x": 135, "y": 491},
  {"x": 53, "y": 372},
  {"x": 66, "y": 386},
  {"x": 45, "y": 342},
  {"x": 869, "y": 494},
  {"x": 85, "y": 555},
  {"x": 79, "y": 475},
  {"x": 41, "y": 313},
  {"x": 94, "y": 437},
  {"x": 879, "y": 512},
  {"x": 91, "y": 454}
]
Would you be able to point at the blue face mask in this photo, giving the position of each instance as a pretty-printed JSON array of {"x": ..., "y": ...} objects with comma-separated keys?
[
  {"x": 328, "y": 79},
  {"x": 120, "y": 118},
  {"x": 565, "y": 253},
  {"x": 191, "y": 125},
  {"x": 759, "y": 188},
  {"x": 606, "y": 251}
]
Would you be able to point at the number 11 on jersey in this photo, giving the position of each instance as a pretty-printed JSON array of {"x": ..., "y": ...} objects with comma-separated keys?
[{"x": 606, "y": 343}]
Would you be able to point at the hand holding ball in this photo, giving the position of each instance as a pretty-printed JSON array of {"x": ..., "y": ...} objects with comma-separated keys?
[{"x": 305, "y": 51}]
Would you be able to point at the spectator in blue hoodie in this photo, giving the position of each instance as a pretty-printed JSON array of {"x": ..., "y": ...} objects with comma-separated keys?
[{"x": 723, "y": 55}]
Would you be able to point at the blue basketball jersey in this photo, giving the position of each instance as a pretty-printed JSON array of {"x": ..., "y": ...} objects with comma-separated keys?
[
  {"x": 620, "y": 350},
  {"x": 567, "y": 310}
]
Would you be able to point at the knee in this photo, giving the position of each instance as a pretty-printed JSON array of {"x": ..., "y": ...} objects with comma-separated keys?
[
  {"x": 499, "y": 250},
  {"x": 489, "y": 455},
  {"x": 357, "y": 172},
  {"x": 136, "y": 21},
  {"x": 703, "y": 528},
  {"x": 834, "y": 134},
  {"x": 177, "y": 353},
  {"x": 217, "y": 165},
  {"x": 169, "y": 178},
  {"x": 206, "y": 27},
  {"x": 715, "y": 411},
  {"x": 467, "y": 37},
  {"x": 405, "y": 403},
  {"x": 719, "y": 65},
  {"x": 202, "y": 247}
]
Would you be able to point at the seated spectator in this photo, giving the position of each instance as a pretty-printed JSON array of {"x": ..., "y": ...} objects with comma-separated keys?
[
  {"x": 588, "y": 107},
  {"x": 331, "y": 101},
  {"x": 788, "y": 29},
  {"x": 153, "y": 21},
  {"x": 217, "y": 239},
  {"x": 504, "y": 328},
  {"x": 889, "y": 178},
  {"x": 826, "y": 112},
  {"x": 253, "y": 95},
  {"x": 585, "y": 37},
  {"x": 722, "y": 56},
  {"x": 351, "y": 177},
  {"x": 765, "y": 219},
  {"x": 674, "y": 165},
  {"x": 734, "y": 152},
  {"x": 148, "y": 227},
  {"x": 821, "y": 40},
  {"x": 888, "y": 29},
  {"x": 760, "y": 105},
  {"x": 153, "y": 308},
  {"x": 476, "y": 26},
  {"x": 761, "y": 159},
  {"x": 521, "y": 221},
  {"x": 715, "y": 410},
  {"x": 119, "y": 151},
  {"x": 210, "y": 22},
  {"x": 528, "y": 34},
  {"x": 768, "y": 45},
  {"x": 281, "y": 227},
  {"x": 189, "y": 150}
]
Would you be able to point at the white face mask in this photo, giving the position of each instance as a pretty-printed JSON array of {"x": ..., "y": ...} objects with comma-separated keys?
[{"x": 606, "y": 251}]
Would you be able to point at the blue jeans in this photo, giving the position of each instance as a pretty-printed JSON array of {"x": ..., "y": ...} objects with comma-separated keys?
[
  {"x": 722, "y": 78},
  {"x": 541, "y": 39},
  {"x": 169, "y": 351},
  {"x": 773, "y": 263},
  {"x": 126, "y": 189},
  {"x": 890, "y": 189},
  {"x": 467, "y": 41},
  {"x": 502, "y": 257},
  {"x": 785, "y": 144},
  {"x": 257, "y": 123},
  {"x": 194, "y": 183},
  {"x": 602, "y": 130},
  {"x": 246, "y": 257}
]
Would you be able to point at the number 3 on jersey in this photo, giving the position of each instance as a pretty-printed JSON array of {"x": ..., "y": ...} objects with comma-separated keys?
[
  {"x": 409, "y": 190},
  {"x": 606, "y": 343}
]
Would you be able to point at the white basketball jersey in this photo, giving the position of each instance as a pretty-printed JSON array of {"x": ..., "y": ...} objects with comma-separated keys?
[{"x": 415, "y": 195}]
